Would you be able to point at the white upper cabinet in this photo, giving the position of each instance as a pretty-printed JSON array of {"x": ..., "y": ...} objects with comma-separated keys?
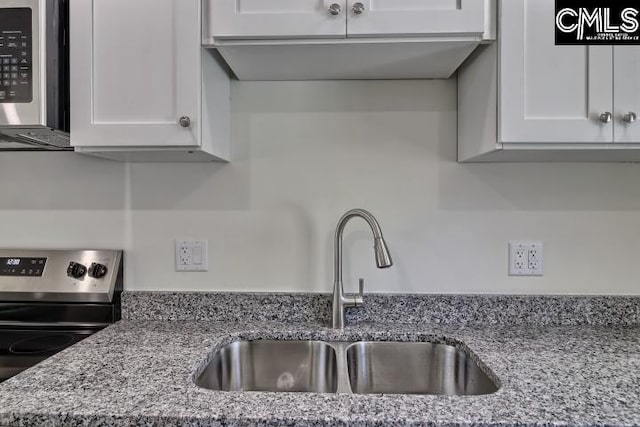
[
  {"x": 550, "y": 93},
  {"x": 374, "y": 18},
  {"x": 276, "y": 19},
  {"x": 528, "y": 99},
  {"x": 134, "y": 83},
  {"x": 286, "y": 19},
  {"x": 346, "y": 39},
  {"x": 136, "y": 79},
  {"x": 626, "y": 68}
]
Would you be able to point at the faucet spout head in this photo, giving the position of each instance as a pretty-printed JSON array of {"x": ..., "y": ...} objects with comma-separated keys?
[{"x": 383, "y": 258}]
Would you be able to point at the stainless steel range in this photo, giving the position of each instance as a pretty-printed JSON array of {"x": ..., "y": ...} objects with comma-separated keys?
[{"x": 51, "y": 299}]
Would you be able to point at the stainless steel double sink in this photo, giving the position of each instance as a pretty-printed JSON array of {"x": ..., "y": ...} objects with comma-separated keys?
[{"x": 346, "y": 367}]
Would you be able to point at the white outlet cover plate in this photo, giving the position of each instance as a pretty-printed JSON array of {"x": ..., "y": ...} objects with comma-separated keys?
[
  {"x": 192, "y": 255},
  {"x": 525, "y": 258}
]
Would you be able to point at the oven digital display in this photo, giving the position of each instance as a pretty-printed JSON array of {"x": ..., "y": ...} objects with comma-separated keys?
[{"x": 25, "y": 267}]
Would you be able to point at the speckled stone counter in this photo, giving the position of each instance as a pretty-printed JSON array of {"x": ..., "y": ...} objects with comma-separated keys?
[
  {"x": 391, "y": 308},
  {"x": 139, "y": 372}
]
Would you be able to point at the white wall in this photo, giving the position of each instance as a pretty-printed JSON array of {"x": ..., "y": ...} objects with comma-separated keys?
[
  {"x": 305, "y": 152},
  {"x": 57, "y": 200}
]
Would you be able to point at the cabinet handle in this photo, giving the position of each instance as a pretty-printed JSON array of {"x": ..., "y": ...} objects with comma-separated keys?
[
  {"x": 606, "y": 117},
  {"x": 335, "y": 9},
  {"x": 358, "y": 8},
  {"x": 629, "y": 118},
  {"x": 185, "y": 121}
]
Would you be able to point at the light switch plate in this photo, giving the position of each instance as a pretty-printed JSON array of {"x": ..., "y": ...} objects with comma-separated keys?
[
  {"x": 192, "y": 255},
  {"x": 525, "y": 259}
]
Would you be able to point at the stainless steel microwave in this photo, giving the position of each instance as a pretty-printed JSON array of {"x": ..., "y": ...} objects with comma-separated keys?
[{"x": 34, "y": 75}]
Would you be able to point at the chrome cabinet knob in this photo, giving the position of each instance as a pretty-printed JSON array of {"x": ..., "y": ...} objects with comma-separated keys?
[
  {"x": 335, "y": 9},
  {"x": 185, "y": 121},
  {"x": 629, "y": 118},
  {"x": 358, "y": 8},
  {"x": 606, "y": 117}
]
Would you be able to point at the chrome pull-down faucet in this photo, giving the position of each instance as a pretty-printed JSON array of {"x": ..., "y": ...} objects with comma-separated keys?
[{"x": 383, "y": 260}]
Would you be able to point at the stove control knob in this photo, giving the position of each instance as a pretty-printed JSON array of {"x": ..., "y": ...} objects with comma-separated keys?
[
  {"x": 76, "y": 270},
  {"x": 97, "y": 271}
]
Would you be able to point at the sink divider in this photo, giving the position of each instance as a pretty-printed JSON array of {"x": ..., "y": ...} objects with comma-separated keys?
[{"x": 342, "y": 370}]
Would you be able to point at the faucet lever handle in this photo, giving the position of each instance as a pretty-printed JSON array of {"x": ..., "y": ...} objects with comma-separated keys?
[{"x": 358, "y": 299}]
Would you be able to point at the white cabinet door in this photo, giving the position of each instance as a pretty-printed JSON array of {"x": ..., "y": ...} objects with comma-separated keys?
[
  {"x": 274, "y": 19},
  {"x": 135, "y": 70},
  {"x": 549, "y": 93},
  {"x": 626, "y": 69},
  {"x": 370, "y": 18}
]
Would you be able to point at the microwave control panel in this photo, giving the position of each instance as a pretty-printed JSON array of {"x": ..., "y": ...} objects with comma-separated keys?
[{"x": 16, "y": 73}]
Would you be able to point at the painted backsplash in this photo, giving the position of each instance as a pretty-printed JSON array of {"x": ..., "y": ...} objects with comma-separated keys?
[{"x": 305, "y": 152}]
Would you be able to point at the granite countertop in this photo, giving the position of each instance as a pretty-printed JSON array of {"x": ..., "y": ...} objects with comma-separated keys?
[{"x": 140, "y": 372}]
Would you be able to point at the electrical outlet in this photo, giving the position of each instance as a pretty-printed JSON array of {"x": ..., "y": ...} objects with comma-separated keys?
[
  {"x": 520, "y": 259},
  {"x": 534, "y": 263},
  {"x": 525, "y": 258},
  {"x": 191, "y": 255}
]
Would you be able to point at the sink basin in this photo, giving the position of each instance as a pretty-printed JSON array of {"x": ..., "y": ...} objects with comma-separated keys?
[
  {"x": 414, "y": 368},
  {"x": 345, "y": 367},
  {"x": 302, "y": 366}
]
